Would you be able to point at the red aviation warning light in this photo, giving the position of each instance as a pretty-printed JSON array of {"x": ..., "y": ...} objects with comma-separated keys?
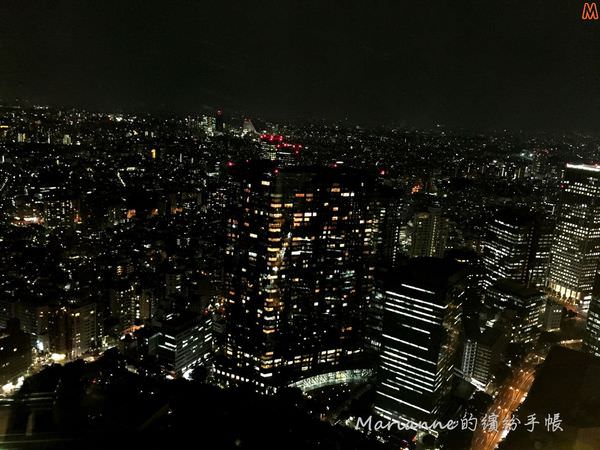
[{"x": 271, "y": 137}]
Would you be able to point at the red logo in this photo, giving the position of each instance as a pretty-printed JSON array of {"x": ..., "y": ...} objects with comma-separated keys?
[{"x": 590, "y": 11}]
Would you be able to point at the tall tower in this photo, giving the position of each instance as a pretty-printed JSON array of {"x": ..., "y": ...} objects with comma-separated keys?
[
  {"x": 517, "y": 247},
  {"x": 394, "y": 218},
  {"x": 524, "y": 306},
  {"x": 430, "y": 233},
  {"x": 576, "y": 250},
  {"x": 248, "y": 127},
  {"x": 219, "y": 122},
  {"x": 297, "y": 274},
  {"x": 422, "y": 307}
]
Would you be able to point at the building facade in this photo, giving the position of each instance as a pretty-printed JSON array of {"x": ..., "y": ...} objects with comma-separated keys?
[
  {"x": 576, "y": 250},
  {"x": 517, "y": 247},
  {"x": 523, "y": 308},
  {"x": 421, "y": 329},
  {"x": 429, "y": 234},
  {"x": 297, "y": 273}
]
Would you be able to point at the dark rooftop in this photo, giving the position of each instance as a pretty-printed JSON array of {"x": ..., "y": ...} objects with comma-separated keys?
[
  {"x": 567, "y": 384},
  {"x": 433, "y": 273},
  {"x": 515, "y": 288}
]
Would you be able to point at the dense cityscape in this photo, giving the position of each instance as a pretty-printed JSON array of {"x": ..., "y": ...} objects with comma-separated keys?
[
  {"x": 310, "y": 285},
  {"x": 304, "y": 225}
]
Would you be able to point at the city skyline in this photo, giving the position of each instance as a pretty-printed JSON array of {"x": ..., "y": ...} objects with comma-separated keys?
[
  {"x": 308, "y": 225},
  {"x": 341, "y": 272},
  {"x": 484, "y": 67}
]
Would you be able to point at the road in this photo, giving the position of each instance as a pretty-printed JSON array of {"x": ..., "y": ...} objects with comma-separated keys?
[{"x": 509, "y": 398}]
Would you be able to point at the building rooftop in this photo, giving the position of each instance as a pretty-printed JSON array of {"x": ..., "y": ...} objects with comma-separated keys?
[
  {"x": 433, "y": 273},
  {"x": 512, "y": 287},
  {"x": 586, "y": 167},
  {"x": 180, "y": 322},
  {"x": 566, "y": 384}
]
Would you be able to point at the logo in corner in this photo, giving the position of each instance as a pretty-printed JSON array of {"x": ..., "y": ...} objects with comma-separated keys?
[{"x": 590, "y": 11}]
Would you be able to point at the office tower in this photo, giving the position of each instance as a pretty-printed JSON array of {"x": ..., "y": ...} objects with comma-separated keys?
[
  {"x": 576, "y": 250},
  {"x": 297, "y": 273},
  {"x": 183, "y": 342},
  {"x": 248, "y": 127},
  {"x": 420, "y": 340},
  {"x": 481, "y": 354},
  {"x": 552, "y": 316},
  {"x": 522, "y": 307},
  {"x": 517, "y": 247},
  {"x": 275, "y": 148},
  {"x": 392, "y": 238},
  {"x": 173, "y": 281},
  {"x": 541, "y": 250},
  {"x": 430, "y": 233},
  {"x": 219, "y": 122},
  {"x": 591, "y": 337}
]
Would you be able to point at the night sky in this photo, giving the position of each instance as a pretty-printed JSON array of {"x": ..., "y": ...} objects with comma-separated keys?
[{"x": 524, "y": 64}]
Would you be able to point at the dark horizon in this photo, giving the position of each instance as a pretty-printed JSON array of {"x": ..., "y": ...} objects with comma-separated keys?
[{"x": 512, "y": 66}]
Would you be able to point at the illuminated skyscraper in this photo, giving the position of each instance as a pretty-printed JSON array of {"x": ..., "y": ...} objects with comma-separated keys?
[
  {"x": 297, "y": 274},
  {"x": 422, "y": 307},
  {"x": 591, "y": 337},
  {"x": 430, "y": 234},
  {"x": 482, "y": 352},
  {"x": 523, "y": 306},
  {"x": 393, "y": 238},
  {"x": 576, "y": 251},
  {"x": 517, "y": 247},
  {"x": 274, "y": 148}
]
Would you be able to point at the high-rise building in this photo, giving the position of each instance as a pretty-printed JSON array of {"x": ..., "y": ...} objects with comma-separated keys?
[
  {"x": 183, "y": 342},
  {"x": 392, "y": 231},
  {"x": 83, "y": 329},
  {"x": 591, "y": 337},
  {"x": 275, "y": 148},
  {"x": 481, "y": 354},
  {"x": 526, "y": 306},
  {"x": 517, "y": 247},
  {"x": 576, "y": 250},
  {"x": 248, "y": 127},
  {"x": 125, "y": 301},
  {"x": 421, "y": 329},
  {"x": 71, "y": 330},
  {"x": 219, "y": 122},
  {"x": 430, "y": 233},
  {"x": 552, "y": 316},
  {"x": 297, "y": 274},
  {"x": 15, "y": 352}
]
